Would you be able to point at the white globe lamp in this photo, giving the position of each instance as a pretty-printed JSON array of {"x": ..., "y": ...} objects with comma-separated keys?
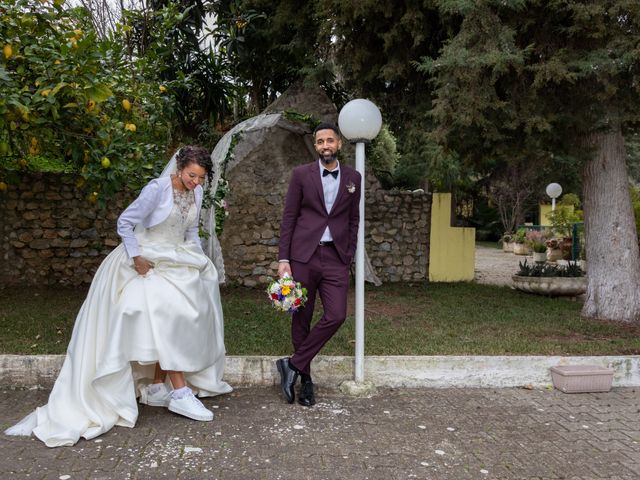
[
  {"x": 554, "y": 190},
  {"x": 359, "y": 122}
]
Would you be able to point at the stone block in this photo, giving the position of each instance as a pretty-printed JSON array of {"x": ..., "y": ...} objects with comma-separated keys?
[
  {"x": 39, "y": 244},
  {"x": 78, "y": 243}
]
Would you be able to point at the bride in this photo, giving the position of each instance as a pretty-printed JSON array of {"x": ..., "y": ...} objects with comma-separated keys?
[{"x": 153, "y": 311}]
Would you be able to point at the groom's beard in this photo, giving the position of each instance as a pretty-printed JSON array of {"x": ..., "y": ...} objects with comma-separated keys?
[{"x": 328, "y": 158}]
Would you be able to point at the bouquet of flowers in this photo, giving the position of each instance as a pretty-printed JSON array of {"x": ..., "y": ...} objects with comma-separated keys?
[{"x": 286, "y": 294}]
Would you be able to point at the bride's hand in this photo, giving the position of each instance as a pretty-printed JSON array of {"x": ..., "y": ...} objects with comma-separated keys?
[{"x": 142, "y": 265}]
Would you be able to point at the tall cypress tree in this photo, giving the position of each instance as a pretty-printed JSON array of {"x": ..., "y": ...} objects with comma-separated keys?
[{"x": 534, "y": 79}]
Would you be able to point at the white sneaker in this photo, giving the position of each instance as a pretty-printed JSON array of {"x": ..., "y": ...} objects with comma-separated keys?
[
  {"x": 189, "y": 406},
  {"x": 160, "y": 398}
]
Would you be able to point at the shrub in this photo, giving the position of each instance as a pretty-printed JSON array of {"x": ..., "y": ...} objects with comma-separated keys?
[
  {"x": 383, "y": 156},
  {"x": 572, "y": 269}
]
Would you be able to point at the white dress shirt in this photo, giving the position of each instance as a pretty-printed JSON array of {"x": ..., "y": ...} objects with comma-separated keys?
[{"x": 330, "y": 188}]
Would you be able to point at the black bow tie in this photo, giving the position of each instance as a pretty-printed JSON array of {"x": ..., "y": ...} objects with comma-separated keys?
[{"x": 326, "y": 172}]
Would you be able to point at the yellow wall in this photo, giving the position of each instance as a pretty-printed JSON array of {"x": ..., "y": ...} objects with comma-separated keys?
[
  {"x": 452, "y": 250},
  {"x": 545, "y": 209}
]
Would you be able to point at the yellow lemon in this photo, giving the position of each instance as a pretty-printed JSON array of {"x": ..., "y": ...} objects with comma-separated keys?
[
  {"x": 23, "y": 163},
  {"x": 130, "y": 126},
  {"x": 126, "y": 104},
  {"x": 91, "y": 104},
  {"x": 57, "y": 62},
  {"x": 4, "y": 148},
  {"x": 34, "y": 141},
  {"x": 93, "y": 197},
  {"x": 8, "y": 51},
  {"x": 105, "y": 162},
  {"x": 45, "y": 93},
  {"x": 74, "y": 44},
  {"x": 80, "y": 182},
  {"x": 25, "y": 115},
  {"x": 3, "y": 187},
  {"x": 163, "y": 88},
  {"x": 78, "y": 32}
]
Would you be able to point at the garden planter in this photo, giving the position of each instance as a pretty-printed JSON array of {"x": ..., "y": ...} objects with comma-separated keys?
[
  {"x": 539, "y": 257},
  {"x": 507, "y": 247},
  {"x": 581, "y": 378},
  {"x": 551, "y": 286},
  {"x": 554, "y": 254},
  {"x": 520, "y": 249}
]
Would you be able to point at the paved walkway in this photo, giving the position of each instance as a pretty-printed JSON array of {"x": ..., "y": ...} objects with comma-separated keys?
[
  {"x": 495, "y": 267},
  {"x": 453, "y": 434}
]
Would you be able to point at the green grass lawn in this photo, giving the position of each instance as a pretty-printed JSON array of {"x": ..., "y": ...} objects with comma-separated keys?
[{"x": 401, "y": 319}]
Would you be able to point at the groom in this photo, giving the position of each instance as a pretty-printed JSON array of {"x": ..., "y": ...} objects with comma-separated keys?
[{"x": 318, "y": 236}]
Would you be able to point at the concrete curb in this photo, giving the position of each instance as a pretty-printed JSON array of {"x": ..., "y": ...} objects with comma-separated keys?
[{"x": 381, "y": 371}]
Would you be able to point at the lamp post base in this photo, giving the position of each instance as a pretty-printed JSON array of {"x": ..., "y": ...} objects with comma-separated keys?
[{"x": 358, "y": 389}]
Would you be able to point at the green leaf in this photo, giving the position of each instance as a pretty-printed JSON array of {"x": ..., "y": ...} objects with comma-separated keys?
[
  {"x": 57, "y": 88},
  {"x": 98, "y": 93},
  {"x": 4, "y": 75}
]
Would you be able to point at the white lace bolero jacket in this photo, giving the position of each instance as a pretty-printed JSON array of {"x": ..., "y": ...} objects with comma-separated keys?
[{"x": 152, "y": 207}]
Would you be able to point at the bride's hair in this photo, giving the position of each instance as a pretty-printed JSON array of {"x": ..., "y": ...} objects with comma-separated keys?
[{"x": 195, "y": 154}]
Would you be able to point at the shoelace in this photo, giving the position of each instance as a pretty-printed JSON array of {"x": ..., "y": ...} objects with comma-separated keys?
[{"x": 195, "y": 401}]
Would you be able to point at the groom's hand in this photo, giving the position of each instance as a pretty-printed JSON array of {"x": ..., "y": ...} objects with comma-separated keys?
[{"x": 284, "y": 269}]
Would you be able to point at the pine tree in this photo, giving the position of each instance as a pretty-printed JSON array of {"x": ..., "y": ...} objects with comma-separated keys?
[{"x": 537, "y": 79}]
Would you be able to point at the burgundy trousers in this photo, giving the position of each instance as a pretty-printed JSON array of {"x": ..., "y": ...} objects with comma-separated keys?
[{"x": 324, "y": 274}]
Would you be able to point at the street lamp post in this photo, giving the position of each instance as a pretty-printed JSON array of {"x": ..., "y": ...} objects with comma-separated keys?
[
  {"x": 360, "y": 121},
  {"x": 554, "y": 190}
]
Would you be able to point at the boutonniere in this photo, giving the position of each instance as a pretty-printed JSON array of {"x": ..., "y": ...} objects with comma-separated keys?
[{"x": 351, "y": 187}]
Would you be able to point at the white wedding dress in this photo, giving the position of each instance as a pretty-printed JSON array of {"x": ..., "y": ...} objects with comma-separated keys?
[{"x": 129, "y": 322}]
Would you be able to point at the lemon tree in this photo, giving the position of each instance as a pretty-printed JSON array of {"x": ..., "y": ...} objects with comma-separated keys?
[{"x": 71, "y": 100}]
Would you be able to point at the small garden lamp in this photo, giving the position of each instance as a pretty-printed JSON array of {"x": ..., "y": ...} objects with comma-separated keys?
[
  {"x": 360, "y": 121},
  {"x": 554, "y": 190}
]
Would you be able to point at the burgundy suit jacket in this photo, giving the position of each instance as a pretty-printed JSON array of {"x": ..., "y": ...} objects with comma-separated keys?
[{"x": 305, "y": 217}]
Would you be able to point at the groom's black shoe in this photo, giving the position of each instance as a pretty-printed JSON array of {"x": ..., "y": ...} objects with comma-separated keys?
[
  {"x": 288, "y": 377},
  {"x": 306, "y": 397}
]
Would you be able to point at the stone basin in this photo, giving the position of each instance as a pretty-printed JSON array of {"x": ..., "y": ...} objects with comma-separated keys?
[{"x": 551, "y": 286}]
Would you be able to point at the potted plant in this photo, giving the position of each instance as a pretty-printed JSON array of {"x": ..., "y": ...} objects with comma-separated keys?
[
  {"x": 507, "y": 242},
  {"x": 562, "y": 219},
  {"x": 536, "y": 242},
  {"x": 551, "y": 280},
  {"x": 520, "y": 246}
]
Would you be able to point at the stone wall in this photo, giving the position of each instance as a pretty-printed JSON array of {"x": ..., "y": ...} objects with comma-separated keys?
[
  {"x": 51, "y": 234},
  {"x": 397, "y": 230}
]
